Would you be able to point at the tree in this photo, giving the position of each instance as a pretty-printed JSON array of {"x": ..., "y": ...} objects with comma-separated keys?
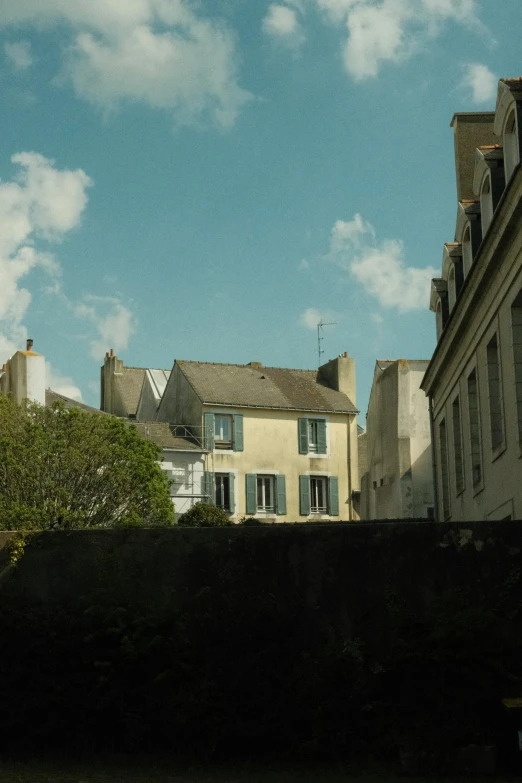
[
  {"x": 204, "y": 515},
  {"x": 81, "y": 469}
]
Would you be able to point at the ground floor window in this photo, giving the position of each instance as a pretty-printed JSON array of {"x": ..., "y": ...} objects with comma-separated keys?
[
  {"x": 265, "y": 493},
  {"x": 318, "y": 495},
  {"x": 223, "y": 491}
]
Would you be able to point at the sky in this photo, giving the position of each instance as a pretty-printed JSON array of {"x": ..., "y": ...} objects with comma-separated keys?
[{"x": 207, "y": 179}]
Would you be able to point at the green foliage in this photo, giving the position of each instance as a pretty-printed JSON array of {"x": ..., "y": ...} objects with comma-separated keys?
[
  {"x": 83, "y": 469},
  {"x": 251, "y": 522},
  {"x": 204, "y": 515}
]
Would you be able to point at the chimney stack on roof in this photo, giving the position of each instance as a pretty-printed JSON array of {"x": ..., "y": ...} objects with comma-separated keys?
[
  {"x": 29, "y": 345},
  {"x": 112, "y": 352}
]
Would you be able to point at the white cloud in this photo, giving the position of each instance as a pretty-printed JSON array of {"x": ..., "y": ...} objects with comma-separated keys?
[
  {"x": 41, "y": 202},
  {"x": 380, "y": 266},
  {"x": 19, "y": 54},
  {"x": 113, "y": 323},
  {"x": 480, "y": 83},
  {"x": 383, "y": 31},
  {"x": 62, "y": 384},
  {"x": 282, "y": 24},
  {"x": 158, "y": 52},
  {"x": 311, "y": 317}
]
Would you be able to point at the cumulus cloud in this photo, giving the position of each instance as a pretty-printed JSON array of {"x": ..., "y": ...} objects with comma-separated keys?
[
  {"x": 380, "y": 266},
  {"x": 63, "y": 384},
  {"x": 383, "y": 31},
  {"x": 282, "y": 24},
  {"x": 40, "y": 203},
  {"x": 19, "y": 54},
  {"x": 311, "y": 317},
  {"x": 112, "y": 321},
  {"x": 480, "y": 83},
  {"x": 158, "y": 52}
]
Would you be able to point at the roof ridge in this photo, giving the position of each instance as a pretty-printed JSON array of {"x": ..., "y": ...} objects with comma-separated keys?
[{"x": 245, "y": 366}]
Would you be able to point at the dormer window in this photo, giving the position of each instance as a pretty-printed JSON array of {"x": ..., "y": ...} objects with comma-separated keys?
[
  {"x": 467, "y": 252},
  {"x": 438, "y": 315},
  {"x": 486, "y": 205},
  {"x": 511, "y": 151},
  {"x": 452, "y": 293}
]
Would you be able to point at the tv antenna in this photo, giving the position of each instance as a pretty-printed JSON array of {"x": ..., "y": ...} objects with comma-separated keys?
[{"x": 319, "y": 338}]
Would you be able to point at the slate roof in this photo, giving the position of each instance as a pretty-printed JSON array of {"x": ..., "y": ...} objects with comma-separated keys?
[
  {"x": 51, "y": 397},
  {"x": 128, "y": 386},
  {"x": 255, "y": 386},
  {"x": 161, "y": 433}
]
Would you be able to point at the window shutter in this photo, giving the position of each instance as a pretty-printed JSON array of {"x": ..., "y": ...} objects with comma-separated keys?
[
  {"x": 208, "y": 487},
  {"x": 232, "y": 495},
  {"x": 281, "y": 494},
  {"x": 333, "y": 496},
  {"x": 304, "y": 496},
  {"x": 303, "y": 436},
  {"x": 321, "y": 436},
  {"x": 251, "y": 493},
  {"x": 208, "y": 431},
  {"x": 238, "y": 432}
]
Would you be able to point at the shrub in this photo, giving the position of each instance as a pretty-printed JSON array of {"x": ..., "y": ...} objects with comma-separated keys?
[{"x": 204, "y": 515}]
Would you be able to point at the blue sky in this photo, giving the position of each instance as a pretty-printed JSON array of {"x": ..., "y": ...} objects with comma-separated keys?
[{"x": 205, "y": 180}]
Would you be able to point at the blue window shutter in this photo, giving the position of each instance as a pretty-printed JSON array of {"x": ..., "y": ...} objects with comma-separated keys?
[
  {"x": 251, "y": 493},
  {"x": 238, "y": 432},
  {"x": 281, "y": 494},
  {"x": 208, "y": 487},
  {"x": 208, "y": 431},
  {"x": 333, "y": 496},
  {"x": 232, "y": 495},
  {"x": 303, "y": 436},
  {"x": 304, "y": 496},
  {"x": 321, "y": 436}
]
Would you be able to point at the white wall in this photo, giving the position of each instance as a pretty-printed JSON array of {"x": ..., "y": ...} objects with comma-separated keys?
[{"x": 186, "y": 469}]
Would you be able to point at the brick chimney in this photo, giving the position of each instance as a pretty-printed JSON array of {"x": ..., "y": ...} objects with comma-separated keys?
[{"x": 340, "y": 375}]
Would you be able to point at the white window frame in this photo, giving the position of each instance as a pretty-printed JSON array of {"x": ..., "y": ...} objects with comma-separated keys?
[
  {"x": 230, "y": 420},
  {"x": 266, "y": 479},
  {"x": 316, "y": 509},
  {"x": 222, "y": 477}
]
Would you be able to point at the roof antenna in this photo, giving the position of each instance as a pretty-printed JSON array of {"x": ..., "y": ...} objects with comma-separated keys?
[{"x": 319, "y": 338}]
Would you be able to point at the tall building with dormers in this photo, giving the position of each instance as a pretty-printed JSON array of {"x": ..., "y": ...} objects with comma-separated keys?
[{"x": 474, "y": 379}]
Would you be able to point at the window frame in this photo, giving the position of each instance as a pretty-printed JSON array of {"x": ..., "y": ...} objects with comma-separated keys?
[
  {"x": 267, "y": 480},
  {"x": 224, "y": 443},
  {"x": 444, "y": 469},
  {"x": 315, "y": 482},
  {"x": 486, "y": 203},
  {"x": 222, "y": 478},
  {"x": 497, "y": 448},
  {"x": 458, "y": 445},
  {"x": 475, "y": 444}
]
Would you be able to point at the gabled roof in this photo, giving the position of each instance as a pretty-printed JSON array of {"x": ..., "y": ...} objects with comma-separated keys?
[
  {"x": 255, "y": 386},
  {"x": 161, "y": 432},
  {"x": 128, "y": 386}
]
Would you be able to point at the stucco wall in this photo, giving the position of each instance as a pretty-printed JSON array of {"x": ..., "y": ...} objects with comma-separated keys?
[
  {"x": 271, "y": 446},
  {"x": 186, "y": 471}
]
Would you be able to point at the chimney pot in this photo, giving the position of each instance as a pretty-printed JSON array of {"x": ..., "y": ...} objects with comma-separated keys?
[
  {"x": 29, "y": 345},
  {"x": 106, "y": 354},
  {"x": 345, "y": 354},
  {"x": 4, "y": 367},
  {"x": 112, "y": 352}
]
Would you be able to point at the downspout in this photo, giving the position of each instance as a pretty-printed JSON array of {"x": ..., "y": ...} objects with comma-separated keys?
[
  {"x": 350, "y": 504},
  {"x": 434, "y": 462}
]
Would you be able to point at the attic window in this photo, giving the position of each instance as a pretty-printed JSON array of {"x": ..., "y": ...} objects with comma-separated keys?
[
  {"x": 511, "y": 151},
  {"x": 486, "y": 205}
]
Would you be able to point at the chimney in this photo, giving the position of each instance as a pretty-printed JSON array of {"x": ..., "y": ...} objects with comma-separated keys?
[
  {"x": 112, "y": 352},
  {"x": 471, "y": 130},
  {"x": 24, "y": 377},
  {"x": 29, "y": 345},
  {"x": 340, "y": 375},
  {"x": 4, "y": 367},
  {"x": 111, "y": 366}
]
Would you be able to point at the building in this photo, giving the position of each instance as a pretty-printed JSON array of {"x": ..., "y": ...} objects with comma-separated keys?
[
  {"x": 474, "y": 379},
  {"x": 398, "y": 482},
  {"x": 182, "y": 457},
  {"x": 280, "y": 444}
]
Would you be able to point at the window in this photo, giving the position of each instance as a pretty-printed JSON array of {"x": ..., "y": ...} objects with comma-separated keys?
[
  {"x": 452, "y": 291},
  {"x": 438, "y": 317},
  {"x": 486, "y": 205},
  {"x": 516, "y": 338},
  {"x": 265, "y": 494},
  {"x": 444, "y": 476},
  {"x": 496, "y": 418},
  {"x": 223, "y": 431},
  {"x": 223, "y": 491},
  {"x": 318, "y": 495},
  {"x": 511, "y": 151},
  {"x": 474, "y": 429},
  {"x": 457, "y": 446},
  {"x": 312, "y": 436},
  {"x": 467, "y": 253}
]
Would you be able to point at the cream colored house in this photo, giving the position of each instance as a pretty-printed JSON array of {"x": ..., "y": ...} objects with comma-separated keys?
[
  {"x": 398, "y": 483},
  {"x": 474, "y": 379},
  {"x": 282, "y": 444}
]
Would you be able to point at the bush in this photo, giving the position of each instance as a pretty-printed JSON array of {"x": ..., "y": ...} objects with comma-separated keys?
[
  {"x": 251, "y": 521},
  {"x": 204, "y": 515}
]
